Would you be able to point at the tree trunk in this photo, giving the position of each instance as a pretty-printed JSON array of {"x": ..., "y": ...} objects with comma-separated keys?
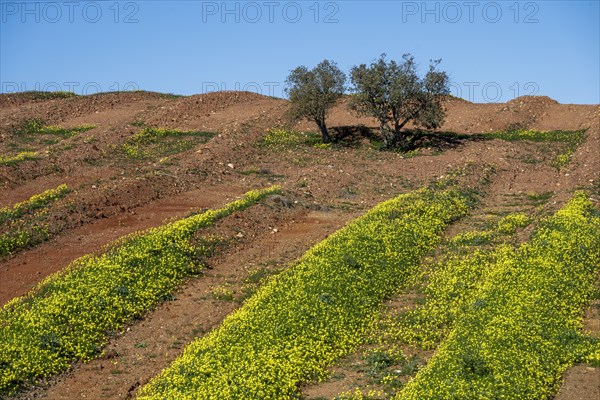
[
  {"x": 324, "y": 131},
  {"x": 400, "y": 140},
  {"x": 401, "y": 125},
  {"x": 384, "y": 133}
]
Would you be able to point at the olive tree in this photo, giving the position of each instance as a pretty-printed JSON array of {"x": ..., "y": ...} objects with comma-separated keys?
[
  {"x": 313, "y": 92},
  {"x": 395, "y": 94}
]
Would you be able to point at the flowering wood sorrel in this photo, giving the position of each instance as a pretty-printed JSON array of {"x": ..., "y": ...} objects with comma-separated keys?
[
  {"x": 301, "y": 321},
  {"x": 521, "y": 327},
  {"x": 69, "y": 315}
]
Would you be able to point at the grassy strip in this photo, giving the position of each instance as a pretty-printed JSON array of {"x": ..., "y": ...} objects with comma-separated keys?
[
  {"x": 277, "y": 139},
  {"x": 35, "y": 202},
  {"x": 319, "y": 309},
  {"x": 36, "y": 126},
  {"x": 70, "y": 315},
  {"x": 22, "y": 236},
  {"x": 31, "y": 134},
  {"x": 520, "y": 330},
  {"x": 24, "y": 224},
  {"x": 148, "y": 142},
  {"x": 64, "y": 132},
  {"x": 572, "y": 139},
  {"x": 39, "y": 95},
  {"x": 19, "y": 158}
]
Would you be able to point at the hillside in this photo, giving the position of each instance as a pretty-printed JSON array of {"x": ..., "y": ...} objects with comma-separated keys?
[{"x": 212, "y": 151}]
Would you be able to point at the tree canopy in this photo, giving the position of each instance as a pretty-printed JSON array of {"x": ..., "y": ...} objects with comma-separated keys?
[
  {"x": 313, "y": 92},
  {"x": 395, "y": 94}
]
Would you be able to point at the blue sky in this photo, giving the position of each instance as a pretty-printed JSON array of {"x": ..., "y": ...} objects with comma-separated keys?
[{"x": 493, "y": 50}]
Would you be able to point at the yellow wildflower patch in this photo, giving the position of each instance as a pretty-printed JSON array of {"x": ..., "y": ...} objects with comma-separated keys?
[
  {"x": 24, "y": 224},
  {"x": 520, "y": 329},
  {"x": 317, "y": 310},
  {"x": 69, "y": 315}
]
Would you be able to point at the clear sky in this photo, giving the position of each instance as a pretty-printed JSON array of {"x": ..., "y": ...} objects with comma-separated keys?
[{"x": 493, "y": 50}]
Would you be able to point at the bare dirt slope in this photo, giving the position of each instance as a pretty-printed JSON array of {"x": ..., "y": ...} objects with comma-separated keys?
[{"x": 114, "y": 195}]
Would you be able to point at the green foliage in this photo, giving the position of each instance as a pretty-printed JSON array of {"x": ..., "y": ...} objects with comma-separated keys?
[
  {"x": 39, "y": 95},
  {"x": 277, "y": 139},
  {"x": 35, "y": 126},
  {"x": 451, "y": 283},
  {"x": 539, "y": 198},
  {"x": 539, "y": 136},
  {"x": 222, "y": 292},
  {"x": 64, "y": 132},
  {"x": 451, "y": 286},
  {"x": 70, "y": 315},
  {"x": 509, "y": 224},
  {"x": 357, "y": 394},
  {"x": 31, "y": 135},
  {"x": 383, "y": 367},
  {"x": 23, "y": 235},
  {"x": 518, "y": 329},
  {"x": 571, "y": 139},
  {"x": 152, "y": 142},
  {"x": 473, "y": 238},
  {"x": 33, "y": 203},
  {"x": 23, "y": 224},
  {"x": 314, "y": 312},
  {"x": 29, "y": 126},
  {"x": 313, "y": 92},
  {"x": 19, "y": 158}
]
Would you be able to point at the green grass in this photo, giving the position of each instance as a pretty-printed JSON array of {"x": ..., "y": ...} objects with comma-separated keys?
[
  {"x": 70, "y": 315},
  {"x": 539, "y": 198},
  {"x": 152, "y": 142},
  {"x": 570, "y": 139},
  {"x": 277, "y": 139},
  {"x": 39, "y": 95},
  {"x": 317, "y": 310},
  {"x": 32, "y": 135},
  {"x": 539, "y": 136},
  {"x": 35, "y": 202},
  {"x": 36, "y": 126},
  {"x": 25, "y": 224},
  {"x": 18, "y": 158}
]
